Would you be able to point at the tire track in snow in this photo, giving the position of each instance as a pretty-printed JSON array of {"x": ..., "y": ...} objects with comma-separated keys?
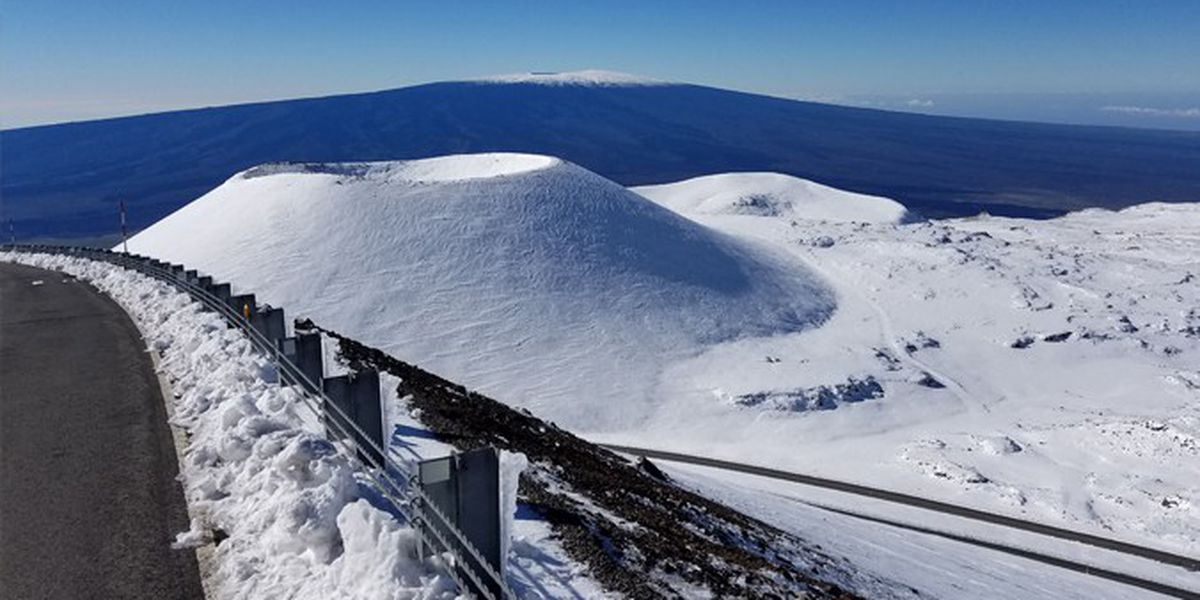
[
  {"x": 887, "y": 330},
  {"x": 888, "y": 334}
]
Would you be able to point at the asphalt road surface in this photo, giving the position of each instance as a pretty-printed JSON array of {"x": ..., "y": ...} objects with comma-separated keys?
[{"x": 89, "y": 503}]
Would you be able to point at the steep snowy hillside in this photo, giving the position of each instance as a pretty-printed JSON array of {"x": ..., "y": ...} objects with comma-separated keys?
[
  {"x": 523, "y": 276},
  {"x": 772, "y": 195}
]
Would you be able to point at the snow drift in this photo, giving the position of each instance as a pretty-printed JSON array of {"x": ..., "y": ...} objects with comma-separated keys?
[
  {"x": 524, "y": 276},
  {"x": 772, "y": 195}
]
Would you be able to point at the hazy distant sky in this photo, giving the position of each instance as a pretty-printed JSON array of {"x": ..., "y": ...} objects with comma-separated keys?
[{"x": 1097, "y": 61}]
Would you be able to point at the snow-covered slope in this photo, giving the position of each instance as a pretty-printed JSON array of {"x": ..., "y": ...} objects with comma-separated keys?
[
  {"x": 523, "y": 276},
  {"x": 771, "y": 194}
]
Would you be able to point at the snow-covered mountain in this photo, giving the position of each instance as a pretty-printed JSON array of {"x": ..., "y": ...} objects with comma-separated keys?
[
  {"x": 524, "y": 276},
  {"x": 1042, "y": 368},
  {"x": 66, "y": 180}
]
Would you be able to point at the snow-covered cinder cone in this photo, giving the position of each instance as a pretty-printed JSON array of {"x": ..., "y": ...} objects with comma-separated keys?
[
  {"x": 523, "y": 276},
  {"x": 773, "y": 195}
]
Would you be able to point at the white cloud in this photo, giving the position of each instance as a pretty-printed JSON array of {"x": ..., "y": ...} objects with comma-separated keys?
[
  {"x": 1154, "y": 112},
  {"x": 919, "y": 103}
]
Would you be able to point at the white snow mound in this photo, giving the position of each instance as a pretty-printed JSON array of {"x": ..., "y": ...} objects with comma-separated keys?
[
  {"x": 522, "y": 276},
  {"x": 772, "y": 195},
  {"x": 595, "y": 77}
]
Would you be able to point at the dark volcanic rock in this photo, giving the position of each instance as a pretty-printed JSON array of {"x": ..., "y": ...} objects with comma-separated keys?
[
  {"x": 823, "y": 397},
  {"x": 1022, "y": 342},
  {"x": 929, "y": 381}
]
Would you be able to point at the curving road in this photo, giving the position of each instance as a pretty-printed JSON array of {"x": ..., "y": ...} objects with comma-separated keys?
[
  {"x": 89, "y": 503},
  {"x": 1190, "y": 563}
]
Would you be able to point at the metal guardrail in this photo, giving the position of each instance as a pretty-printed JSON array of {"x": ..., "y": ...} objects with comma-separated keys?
[{"x": 397, "y": 484}]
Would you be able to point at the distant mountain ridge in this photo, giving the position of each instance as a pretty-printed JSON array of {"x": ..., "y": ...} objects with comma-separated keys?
[{"x": 65, "y": 180}]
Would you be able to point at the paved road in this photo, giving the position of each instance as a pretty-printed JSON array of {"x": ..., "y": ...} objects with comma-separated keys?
[
  {"x": 89, "y": 503},
  {"x": 1190, "y": 563}
]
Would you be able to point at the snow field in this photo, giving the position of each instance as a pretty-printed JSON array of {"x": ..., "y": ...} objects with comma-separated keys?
[
  {"x": 1090, "y": 421},
  {"x": 297, "y": 521}
]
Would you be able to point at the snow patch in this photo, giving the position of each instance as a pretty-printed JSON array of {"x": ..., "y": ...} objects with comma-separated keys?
[{"x": 587, "y": 77}]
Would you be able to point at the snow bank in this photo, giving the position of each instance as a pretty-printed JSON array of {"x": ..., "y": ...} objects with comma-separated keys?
[
  {"x": 595, "y": 77},
  {"x": 289, "y": 502},
  {"x": 526, "y": 277},
  {"x": 772, "y": 195}
]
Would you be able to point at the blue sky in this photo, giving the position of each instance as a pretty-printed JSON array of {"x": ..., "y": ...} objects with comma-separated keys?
[{"x": 1101, "y": 61}]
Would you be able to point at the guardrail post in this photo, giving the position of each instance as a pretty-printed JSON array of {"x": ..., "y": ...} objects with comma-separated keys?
[
  {"x": 466, "y": 487},
  {"x": 368, "y": 414},
  {"x": 309, "y": 358},
  {"x": 337, "y": 393},
  {"x": 223, "y": 291},
  {"x": 356, "y": 396},
  {"x": 270, "y": 323},
  {"x": 191, "y": 276}
]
